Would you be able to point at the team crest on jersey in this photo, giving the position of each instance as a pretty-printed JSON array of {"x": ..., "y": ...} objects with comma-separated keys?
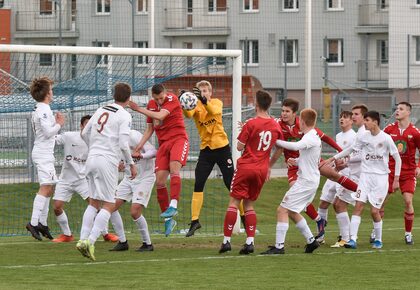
[
  {"x": 44, "y": 116},
  {"x": 409, "y": 136},
  {"x": 401, "y": 146},
  {"x": 380, "y": 145},
  {"x": 69, "y": 157}
]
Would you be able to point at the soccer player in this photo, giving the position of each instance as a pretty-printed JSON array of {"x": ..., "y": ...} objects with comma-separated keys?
[
  {"x": 407, "y": 139},
  {"x": 214, "y": 147},
  {"x": 375, "y": 147},
  {"x": 45, "y": 127},
  {"x": 256, "y": 140},
  {"x": 73, "y": 179},
  {"x": 303, "y": 191},
  {"x": 164, "y": 115},
  {"x": 137, "y": 190},
  {"x": 107, "y": 134}
]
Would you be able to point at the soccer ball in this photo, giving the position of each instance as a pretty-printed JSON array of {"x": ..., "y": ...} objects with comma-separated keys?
[{"x": 188, "y": 101}]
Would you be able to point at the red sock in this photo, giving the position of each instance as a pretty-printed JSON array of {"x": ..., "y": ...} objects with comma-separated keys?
[
  {"x": 408, "y": 219},
  {"x": 175, "y": 184},
  {"x": 162, "y": 197},
  {"x": 251, "y": 223},
  {"x": 347, "y": 183},
  {"x": 230, "y": 220},
  {"x": 311, "y": 212}
]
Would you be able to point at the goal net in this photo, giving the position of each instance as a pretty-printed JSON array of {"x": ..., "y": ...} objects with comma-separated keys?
[{"x": 83, "y": 80}]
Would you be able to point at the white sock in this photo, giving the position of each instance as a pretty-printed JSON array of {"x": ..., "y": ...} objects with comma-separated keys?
[
  {"x": 101, "y": 220},
  {"x": 87, "y": 221},
  {"x": 305, "y": 230},
  {"x": 378, "y": 230},
  {"x": 354, "y": 226},
  {"x": 37, "y": 208},
  {"x": 63, "y": 221},
  {"x": 281, "y": 230},
  {"x": 44, "y": 215},
  {"x": 143, "y": 229},
  {"x": 249, "y": 240},
  {"x": 343, "y": 220},
  {"x": 226, "y": 239},
  {"x": 323, "y": 213},
  {"x": 117, "y": 224},
  {"x": 174, "y": 203}
]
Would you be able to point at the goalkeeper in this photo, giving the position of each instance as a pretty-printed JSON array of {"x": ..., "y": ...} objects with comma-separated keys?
[{"x": 214, "y": 148}]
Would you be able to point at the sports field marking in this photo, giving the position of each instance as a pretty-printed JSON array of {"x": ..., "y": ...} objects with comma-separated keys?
[{"x": 367, "y": 252}]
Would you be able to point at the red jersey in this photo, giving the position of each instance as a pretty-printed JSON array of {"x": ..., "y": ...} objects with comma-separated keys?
[
  {"x": 406, "y": 141},
  {"x": 292, "y": 133},
  {"x": 259, "y": 135},
  {"x": 173, "y": 125}
]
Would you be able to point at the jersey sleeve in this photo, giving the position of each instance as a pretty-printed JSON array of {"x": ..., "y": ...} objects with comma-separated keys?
[
  {"x": 149, "y": 105},
  {"x": 124, "y": 137},
  {"x": 215, "y": 107},
  {"x": 327, "y": 139},
  {"x": 391, "y": 145},
  {"x": 244, "y": 135},
  {"x": 171, "y": 104},
  {"x": 46, "y": 128},
  {"x": 60, "y": 139}
]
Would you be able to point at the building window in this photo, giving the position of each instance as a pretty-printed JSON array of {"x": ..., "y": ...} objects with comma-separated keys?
[
  {"x": 45, "y": 59},
  {"x": 101, "y": 60},
  {"x": 47, "y": 7},
  {"x": 1, "y": 3},
  {"x": 142, "y": 60},
  {"x": 250, "y": 5},
  {"x": 383, "y": 4},
  {"x": 291, "y": 49},
  {"x": 217, "y": 5},
  {"x": 418, "y": 49},
  {"x": 290, "y": 5},
  {"x": 142, "y": 6},
  {"x": 335, "y": 51},
  {"x": 334, "y": 5},
  {"x": 250, "y": 52},
  {"x": 103, "y": 6},
  {"x": 417, "y": 2},
  {"x": 217, "y": 60},
  {"x": 382, "y": 51}
]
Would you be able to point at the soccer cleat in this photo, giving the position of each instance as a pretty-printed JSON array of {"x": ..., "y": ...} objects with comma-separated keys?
[
  {"x": 63, "y": 239},
  {"x": 120, "y": 247},
  {"x": 339, "y": 244},
  {"x": 320, "y": 239},
  {"x": 110, "y": 238},
  {"x": 90, "y": 250},
  {"x": 45, "y": 231},
  {"x": 409, "y": 239},
  {"x": 145, "y": 248},
  {"x": 225, "y": 248},
  {"x": 247, "y": 249},
  {"x": 169, "y": 212},
  {"x": 194, "y": 225},
  {"x": 321, "y": 224},
  {"x": 377, "y": 244},
  {"x": 309, "y": 248},
  {"x": 170, "y": 224},
  {"x": 272, "y": 250},
  {"x": 34, "y": 231},
  {"x": 81, "y": 247},
  {"x": 352, "y": 244}
]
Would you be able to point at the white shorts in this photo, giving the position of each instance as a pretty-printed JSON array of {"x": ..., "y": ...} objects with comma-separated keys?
[
  {"x": 64, "y": 190},
  {"x": 372, "y": 187},
  {"x": 102, "y": 177},
  {"x": 45, "y": 169},
  {"x": 329, "y": 190},
  {"x": 138, "y": 191},
  {"x": 345, "y": 194},
  {"x": 299, "y": 196}
]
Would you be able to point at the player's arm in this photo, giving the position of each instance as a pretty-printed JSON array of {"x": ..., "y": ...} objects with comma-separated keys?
[
  {"x": 276, "y": 155},
  {"x": 60, "y": 139},
  {"x": 146, "y": 136},
  {"x": 123, "y": 142},
  {"x": 294, "y": 146},
  {"x": 48, "y": 130},
  {"x": 149, "y": 151},
  {"x": 214, "y": 108},
  {"x": 161, "y": 115},
  {"x": 240, "y": 146},
  {"x": 327, "y": 139},
  {"x": 188, "y": 113}
]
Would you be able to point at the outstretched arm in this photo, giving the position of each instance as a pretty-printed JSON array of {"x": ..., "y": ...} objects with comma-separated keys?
[
  {"x": 161, "y": 115},
  {"x": 327, "y": 139}
]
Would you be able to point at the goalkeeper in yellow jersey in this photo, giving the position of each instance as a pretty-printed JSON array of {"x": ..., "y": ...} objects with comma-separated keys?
[{"x": 214, "y": 148}]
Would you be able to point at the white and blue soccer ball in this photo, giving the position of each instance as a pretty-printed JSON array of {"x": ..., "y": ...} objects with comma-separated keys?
[{"x": 188, "y": 101}]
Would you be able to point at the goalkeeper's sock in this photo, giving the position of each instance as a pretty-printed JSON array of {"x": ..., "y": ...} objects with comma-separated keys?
[
  {"x": 347, "y": 183},
  {"x": 196, "y": 204},
  {"x": 162, "y": 197},
  {"x": 241, "y": 208},
  {"x": 312, "y": 213},
  {"x": 251, "y": 224},
  {"x": 230, "y": 220},
  {"x": 175, "y": 185}
]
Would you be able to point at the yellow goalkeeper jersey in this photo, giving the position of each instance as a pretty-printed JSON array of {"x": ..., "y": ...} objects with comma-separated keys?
[{"x": 208, "y": 119}]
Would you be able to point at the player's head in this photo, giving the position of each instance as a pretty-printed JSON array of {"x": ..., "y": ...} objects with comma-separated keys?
[
  {"x": 84, "y": 120},
  {"x": 41, "y": 89},
  {"x": 403, "y": 111},
  {"x": 205, "y": 88},
  {"x": 122, "y": 92},
  {"x": 159, "y": 93},
  {"x": 346, "y": 120},
  {"x": 372, "y": 120},
  {"x": 263, "y": 100},
  {"x": 289, "y": 109},
  {"x": 358, "y": 111},
  {"x": 307, "y": 119}
]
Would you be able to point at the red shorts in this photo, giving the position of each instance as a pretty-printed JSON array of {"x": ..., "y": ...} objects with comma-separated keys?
[
  {"x": 247, "y": 183},
  {"x": 172, "y": 150},
  {"x": 292, "y": 173},
  {"x": 407, "y": 182}
]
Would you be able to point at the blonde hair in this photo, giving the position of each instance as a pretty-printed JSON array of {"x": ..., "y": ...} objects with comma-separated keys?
[
  {"x": 309, "y": 117},
  {"x": 204, "y": 83}
]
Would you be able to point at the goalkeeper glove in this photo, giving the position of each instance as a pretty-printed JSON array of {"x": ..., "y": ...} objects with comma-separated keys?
[{"x": 197, "y": 92}]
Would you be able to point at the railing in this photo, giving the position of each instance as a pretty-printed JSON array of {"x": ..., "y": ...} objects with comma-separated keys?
[
  {"x": 45, "y": 21},
  {"x": 197, "y": 18},
  {"x": 373, "y": 15},
  {"x": 372, "y": 70}
]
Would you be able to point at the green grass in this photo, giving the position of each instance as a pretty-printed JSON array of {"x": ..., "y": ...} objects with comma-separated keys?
[{"x": 193, "y": 263}]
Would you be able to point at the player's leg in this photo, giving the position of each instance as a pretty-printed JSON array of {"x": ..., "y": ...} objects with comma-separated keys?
[
  {"x": 354, "y": 224},
  {"x": 408, "y": 217},
  {"x": 118, "y": 226},
  {"x": 343, "y": 221},
  {"x": 327, "y": 197},
  {"x": 377, "y": 227},
  {"x": 330, "y": 173},
  {"x": 229, "y": 222},
  {"x": 62, "y": 221},
  {"x": 302, "y": 226}
]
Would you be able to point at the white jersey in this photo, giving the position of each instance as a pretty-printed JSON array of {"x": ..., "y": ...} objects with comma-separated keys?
[
  {"x": 355, "y": 161},
  {"x": 107, "y": 133},
  {"x": 346, "y": 139},
  {"x": 45, "y": 128},
  {"x": 146, "y": 164},
  {"x": 75, "y": 155}
]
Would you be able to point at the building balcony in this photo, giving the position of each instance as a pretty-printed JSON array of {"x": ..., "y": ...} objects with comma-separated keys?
[
  {"x": 196, "y": 22},
  {"x": 36, "y": 24},
  {"x": 373, "y": 71},
  {"x": 373, "y": 18}
]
